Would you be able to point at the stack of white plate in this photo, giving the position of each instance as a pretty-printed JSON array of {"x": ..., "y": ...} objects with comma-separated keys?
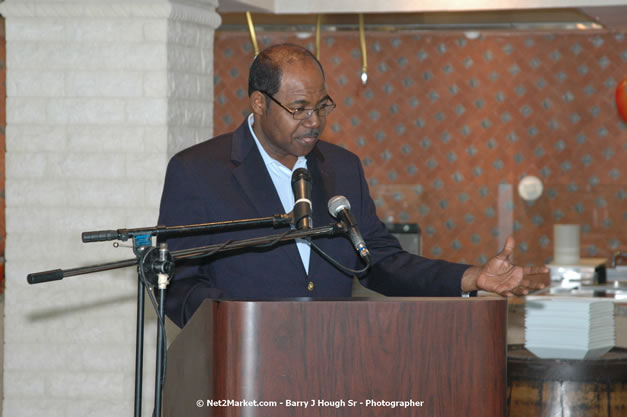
[{"x": 569, "y": 328}]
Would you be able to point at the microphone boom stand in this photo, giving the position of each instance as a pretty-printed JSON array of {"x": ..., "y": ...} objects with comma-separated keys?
[{"x": 160, "y": 268}]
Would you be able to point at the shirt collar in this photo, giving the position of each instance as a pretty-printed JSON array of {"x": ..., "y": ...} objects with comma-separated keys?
[{"x": 301, "y": 162}]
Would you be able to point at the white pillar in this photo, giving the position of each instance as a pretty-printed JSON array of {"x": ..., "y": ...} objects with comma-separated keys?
[{"x": 99, "y": 94}]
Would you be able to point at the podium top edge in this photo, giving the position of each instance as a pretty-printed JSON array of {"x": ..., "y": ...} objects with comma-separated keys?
[{"x": 364, "y": 299}]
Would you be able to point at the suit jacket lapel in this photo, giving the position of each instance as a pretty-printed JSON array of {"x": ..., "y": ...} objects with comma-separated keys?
[
  {"x": 252, "y": 175},
  {"x": 323, "y": 188}
]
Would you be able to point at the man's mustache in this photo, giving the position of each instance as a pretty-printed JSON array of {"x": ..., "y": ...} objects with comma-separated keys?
[{"x": 315, "y": 133}]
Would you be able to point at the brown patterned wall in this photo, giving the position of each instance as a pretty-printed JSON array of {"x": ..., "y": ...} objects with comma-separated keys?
[{"x": 447, "y": 124}]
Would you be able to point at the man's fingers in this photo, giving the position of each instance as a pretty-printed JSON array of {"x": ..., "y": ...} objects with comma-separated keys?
[
  {"x": 537, "y": 275},
  {"x": 508, "y": 249},
  {"x": 506, "y": 288},
  {"x": 536, "y": 270}
]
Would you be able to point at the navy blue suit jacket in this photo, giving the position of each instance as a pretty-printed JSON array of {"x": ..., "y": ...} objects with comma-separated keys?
[{"x": 225, "y": 179}]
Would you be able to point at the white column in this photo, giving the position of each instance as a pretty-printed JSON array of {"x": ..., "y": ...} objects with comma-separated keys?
[{"x": 99, "y": 94}]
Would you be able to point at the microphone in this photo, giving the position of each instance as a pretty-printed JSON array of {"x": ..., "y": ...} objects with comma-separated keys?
[
  {"x": 340, "y": 208},
  {"x": 301, "y": 186}
]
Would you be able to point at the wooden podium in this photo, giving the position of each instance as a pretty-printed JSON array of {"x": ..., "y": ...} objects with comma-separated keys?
[{"x": 436, "y": 357}]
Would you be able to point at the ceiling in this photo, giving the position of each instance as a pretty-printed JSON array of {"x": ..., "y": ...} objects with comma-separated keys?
[{"x": 430, "y": 14}]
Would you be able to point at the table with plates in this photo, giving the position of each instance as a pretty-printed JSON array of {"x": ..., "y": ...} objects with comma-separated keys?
[{"x": 557, "y": 385}]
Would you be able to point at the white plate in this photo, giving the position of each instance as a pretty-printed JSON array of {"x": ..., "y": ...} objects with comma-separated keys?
[{"x": 568, "y": 353}]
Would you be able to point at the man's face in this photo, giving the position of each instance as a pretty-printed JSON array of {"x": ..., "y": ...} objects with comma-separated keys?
[{"x": 283, "y": 137}]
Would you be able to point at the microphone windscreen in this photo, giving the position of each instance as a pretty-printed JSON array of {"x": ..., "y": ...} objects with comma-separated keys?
[{"x": 337, "y": 204}]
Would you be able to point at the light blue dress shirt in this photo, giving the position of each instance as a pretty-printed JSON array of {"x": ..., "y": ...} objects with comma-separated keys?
[{"x": 282, "y": 180}]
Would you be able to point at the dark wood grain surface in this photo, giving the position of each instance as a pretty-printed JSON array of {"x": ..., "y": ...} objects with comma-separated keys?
[
  {"x": 448, "y": 353},
  {"x": 566, "y": 387}
]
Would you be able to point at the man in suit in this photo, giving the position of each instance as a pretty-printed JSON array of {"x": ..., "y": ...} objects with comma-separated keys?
[{"x": 247, "y": 173}]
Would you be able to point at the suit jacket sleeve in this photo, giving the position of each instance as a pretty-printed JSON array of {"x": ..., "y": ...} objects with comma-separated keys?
[
  {"x": 396, "y": 272},
  {"x": 183, "y": 202}
]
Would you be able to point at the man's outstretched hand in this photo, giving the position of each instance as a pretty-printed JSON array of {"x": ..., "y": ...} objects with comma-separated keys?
[{"x": 499, "y": 275}]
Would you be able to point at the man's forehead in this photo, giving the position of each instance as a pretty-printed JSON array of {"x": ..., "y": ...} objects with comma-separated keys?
[
  {"x": 302, "y": 84},
  {"x": 304, "y": 95}
]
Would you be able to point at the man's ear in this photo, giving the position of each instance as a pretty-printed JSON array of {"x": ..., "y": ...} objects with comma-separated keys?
[{"x": 258, "y": 102}]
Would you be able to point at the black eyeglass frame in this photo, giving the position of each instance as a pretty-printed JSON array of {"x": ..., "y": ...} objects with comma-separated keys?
[{"x": 307, "y": 111}]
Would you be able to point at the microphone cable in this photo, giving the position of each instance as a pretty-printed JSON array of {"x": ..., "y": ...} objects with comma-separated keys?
[{"x": 338, "y": 265}]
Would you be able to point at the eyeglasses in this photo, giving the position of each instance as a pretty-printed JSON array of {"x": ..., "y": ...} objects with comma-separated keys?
[{"x": 323, "y": 110}]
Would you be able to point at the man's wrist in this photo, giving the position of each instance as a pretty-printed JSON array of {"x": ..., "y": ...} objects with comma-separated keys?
[{"x": 469, "y": 279}]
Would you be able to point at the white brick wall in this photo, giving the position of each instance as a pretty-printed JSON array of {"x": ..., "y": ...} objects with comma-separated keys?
[{"x": 99, "y": 94}]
